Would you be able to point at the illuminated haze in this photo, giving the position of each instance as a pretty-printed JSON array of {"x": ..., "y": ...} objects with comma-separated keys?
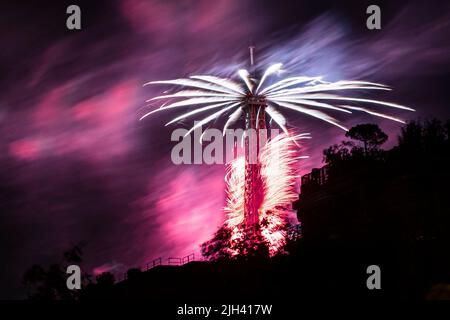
[{"x": 77, "y": 165}]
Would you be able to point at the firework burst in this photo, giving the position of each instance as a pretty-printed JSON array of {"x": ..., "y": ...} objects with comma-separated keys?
[
  {"x": 310, "y": 96},
  {"x": 259, "y": 196}
]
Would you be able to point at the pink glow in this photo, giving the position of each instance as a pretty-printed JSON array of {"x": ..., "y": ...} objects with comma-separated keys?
[
  {"x": 24, "y": 149},
  {"x": 107, "y": 267},
  {"x": 96, "y": 128}
]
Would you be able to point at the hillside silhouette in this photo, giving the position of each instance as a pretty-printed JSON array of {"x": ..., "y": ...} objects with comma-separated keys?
[{"x": 366, "y": 206}]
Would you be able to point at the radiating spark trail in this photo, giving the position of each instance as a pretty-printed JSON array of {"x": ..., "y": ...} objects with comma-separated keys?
[
  {"x": 195, "y": 111},
  {"x": 272, "y": 69},
  {"x": 210, "y": 118},
  {"x": 245, "y": 76},
  {"x": 236, "y": 115}
]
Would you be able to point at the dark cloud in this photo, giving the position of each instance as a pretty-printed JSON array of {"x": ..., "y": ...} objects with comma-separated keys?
[{"x": 77, "y": 165}]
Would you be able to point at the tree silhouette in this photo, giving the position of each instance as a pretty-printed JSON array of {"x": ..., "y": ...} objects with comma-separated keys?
[
  {"x": 73, "y": 255},
  {"x": 410, "y": 137},
  {"x": 249, "y": 245},
  {"x": 218, "y": 248},
  {"x": 369, "y": 134},
  {"x": 336, "y": 153},
  {"x": 348, "y": 154},
  {"x": 105, "y": 280},
  {"x": 134, "y": 274},
  {"x": 50, "y": 283}
]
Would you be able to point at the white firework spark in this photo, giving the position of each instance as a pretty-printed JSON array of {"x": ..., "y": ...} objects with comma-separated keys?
[
  {"x": 307, "y": 95},
  {"x": 279, "y": 173}
]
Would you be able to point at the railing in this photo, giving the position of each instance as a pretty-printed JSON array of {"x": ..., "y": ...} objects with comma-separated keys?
[
  {"x": 154, "y": 263},
  {"x": 188, "y": 258},
  {"x": 174, "y": 261},
  {"x": 171, "y": 261}
]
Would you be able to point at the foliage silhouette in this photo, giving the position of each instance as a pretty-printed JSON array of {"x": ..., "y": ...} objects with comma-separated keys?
[
  {"x": 134, "y": 274},
  {"x": 369, "y": 134},
  {"x": 250, "y": 245},
  {"x": 105, "y": 279},
  {"x": 395, "y": 199},
  {"x": 50, "y": 283}
]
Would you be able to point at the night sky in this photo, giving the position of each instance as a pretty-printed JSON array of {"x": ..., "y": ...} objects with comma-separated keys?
[{"x": 76, "y": 165}]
